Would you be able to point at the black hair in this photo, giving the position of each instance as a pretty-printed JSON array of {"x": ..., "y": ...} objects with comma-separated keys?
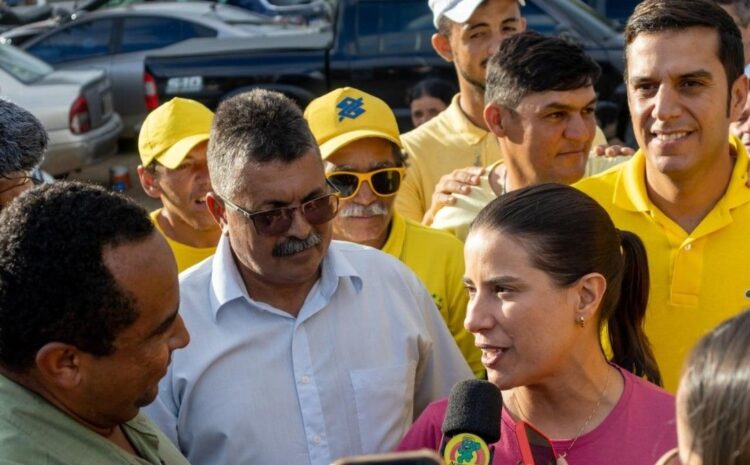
[
  {"x": 432, "y": 87},
  {"x": 258, "y": 126},
  {"x": 652, "y": 16},
  {"x": 23, "y": 139},
  {"x": 568, "y": 234},
  {"x": 54, "y": 285},
  {"x": 529, "y": 62}
]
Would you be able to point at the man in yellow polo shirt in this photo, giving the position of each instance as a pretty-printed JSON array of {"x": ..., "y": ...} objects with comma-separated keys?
[
  {"x": 172, "y": 144},
  {"x": 684, "y": 192},
  {"x": 359, "y": 141},
  {"x": 468, "y": 33}
]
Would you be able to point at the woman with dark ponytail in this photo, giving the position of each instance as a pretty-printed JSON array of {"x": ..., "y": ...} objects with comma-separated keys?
[{"x": 547, "y": 274}]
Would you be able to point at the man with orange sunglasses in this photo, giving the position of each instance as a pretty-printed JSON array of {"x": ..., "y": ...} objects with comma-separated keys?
[{"x": 359, "y": 141}]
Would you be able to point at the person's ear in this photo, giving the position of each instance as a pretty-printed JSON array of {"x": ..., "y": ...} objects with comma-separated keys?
[
  {"x": 590, "y": 291},
  {"x": 216, "y": 208},
  {"x": 59, "y": 364},
  {"x": 739, "y": 92},
  {"x": 442, "y": 45},
  {"x": 149, "y": 182},
  {"x": 494, "y": 116}
]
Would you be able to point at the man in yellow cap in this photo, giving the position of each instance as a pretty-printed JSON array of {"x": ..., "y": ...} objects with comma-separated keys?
[
  {"x": 172, "y": 144},
  {"x": 359, "y": 141}
]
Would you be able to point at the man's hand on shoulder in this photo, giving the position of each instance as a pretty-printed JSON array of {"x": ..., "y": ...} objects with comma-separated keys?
[
  {"x": 457, "y": 182},
  {"x": 611, "y": 151}
]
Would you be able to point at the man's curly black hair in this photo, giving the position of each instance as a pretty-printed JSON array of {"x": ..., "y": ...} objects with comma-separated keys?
[{"x": 54, "y": 285}]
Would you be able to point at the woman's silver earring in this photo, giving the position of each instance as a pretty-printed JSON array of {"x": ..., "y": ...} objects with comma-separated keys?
[{"x": 580, "y": 321}]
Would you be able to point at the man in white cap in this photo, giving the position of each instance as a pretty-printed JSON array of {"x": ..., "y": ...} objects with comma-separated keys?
[
  {"x": 468, "y": 33},
  {"x": 172, "y": 145}
]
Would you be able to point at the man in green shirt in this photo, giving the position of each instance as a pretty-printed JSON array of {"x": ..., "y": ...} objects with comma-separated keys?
[{"x": 88, "y": 321}]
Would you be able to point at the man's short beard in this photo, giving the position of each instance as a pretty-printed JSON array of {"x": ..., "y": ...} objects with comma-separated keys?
[{"x": 478, "y": 86}]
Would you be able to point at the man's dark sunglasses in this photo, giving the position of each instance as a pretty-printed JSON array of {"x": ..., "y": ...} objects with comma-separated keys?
[{"x": 277, "y": 221}]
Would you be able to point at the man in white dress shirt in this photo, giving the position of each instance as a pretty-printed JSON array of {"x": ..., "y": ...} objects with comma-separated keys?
[{"x": 303, "y": 350}]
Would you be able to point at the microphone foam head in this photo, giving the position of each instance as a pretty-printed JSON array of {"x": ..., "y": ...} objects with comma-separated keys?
[{"x": 474, "y": 407}]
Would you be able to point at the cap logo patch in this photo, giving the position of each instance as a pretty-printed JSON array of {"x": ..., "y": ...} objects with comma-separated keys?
[{"x": 350, "y": 108}]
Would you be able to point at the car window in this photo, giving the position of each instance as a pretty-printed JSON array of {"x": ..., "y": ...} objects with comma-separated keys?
[
  {"x": 394, "y": 27},
  {"x": 84, "y": 40},
  {"x": 147, "y": 33},
  {"x": 22, "y": 66}
]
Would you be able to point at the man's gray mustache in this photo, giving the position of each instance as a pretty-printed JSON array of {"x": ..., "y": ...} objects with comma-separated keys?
[
  {"x": 293, "y": 245},
  {"x": 374, "y": 209}
]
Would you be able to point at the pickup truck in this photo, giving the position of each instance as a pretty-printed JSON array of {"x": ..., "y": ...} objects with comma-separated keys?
[{"x": 380, "y": 46}]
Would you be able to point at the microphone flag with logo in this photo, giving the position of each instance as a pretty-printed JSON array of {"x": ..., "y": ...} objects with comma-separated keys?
[{"x": 472, "y": 423}]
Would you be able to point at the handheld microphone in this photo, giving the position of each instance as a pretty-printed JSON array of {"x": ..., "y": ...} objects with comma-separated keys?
[{"x": 472, "y": 421}]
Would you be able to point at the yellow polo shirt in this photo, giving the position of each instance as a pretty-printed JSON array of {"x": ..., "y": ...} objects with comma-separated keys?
[
  {"x": 185, "y": 255},
  {"x": 447, "y": 142},
  {"x": 697, "y": 279},
  {"x": 437, "y": 258}
]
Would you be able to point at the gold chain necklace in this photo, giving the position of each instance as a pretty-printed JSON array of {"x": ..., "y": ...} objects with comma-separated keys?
[{"x": 583, "y": 426}]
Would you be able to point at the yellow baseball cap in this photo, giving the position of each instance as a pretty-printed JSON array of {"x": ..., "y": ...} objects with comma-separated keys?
[
  {"x": 171, "y": 131},
  {"x": 344, "y": 115}
]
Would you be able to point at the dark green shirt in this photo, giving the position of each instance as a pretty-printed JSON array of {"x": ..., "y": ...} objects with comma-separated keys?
[{"x": 34, "y": 432}]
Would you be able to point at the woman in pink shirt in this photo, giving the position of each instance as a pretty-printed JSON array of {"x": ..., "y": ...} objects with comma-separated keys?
[{"x": 547, "y": 272}]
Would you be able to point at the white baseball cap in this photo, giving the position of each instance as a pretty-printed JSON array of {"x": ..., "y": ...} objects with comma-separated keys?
[{"x": 458, "y": 11}]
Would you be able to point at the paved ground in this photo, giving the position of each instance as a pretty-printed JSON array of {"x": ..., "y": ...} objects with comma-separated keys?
[{"x": 128, "y": 157}]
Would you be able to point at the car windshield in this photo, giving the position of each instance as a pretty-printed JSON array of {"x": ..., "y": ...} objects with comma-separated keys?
[{"x": 21, "y": 65}]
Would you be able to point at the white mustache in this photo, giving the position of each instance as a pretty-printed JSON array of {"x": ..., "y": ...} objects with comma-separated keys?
[{"x": 374, "y": 209}]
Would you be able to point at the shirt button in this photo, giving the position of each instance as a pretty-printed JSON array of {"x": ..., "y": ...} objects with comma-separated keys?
[
  {"x": 688, "y": 247},
  {"x": 305, "y": 379},
  {"x": 316, "y": 440}
]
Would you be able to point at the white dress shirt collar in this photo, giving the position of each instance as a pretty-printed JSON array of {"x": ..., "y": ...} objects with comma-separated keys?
[{"x": 227, "y": 284}]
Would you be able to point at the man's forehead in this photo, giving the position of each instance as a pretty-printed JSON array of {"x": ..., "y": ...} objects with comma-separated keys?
[
  {"x": 571, "y": 99},
  {"x": 673, "y": 51},
  {"x": 494, "y": 12},
  {"x": 282, "y": 182}
]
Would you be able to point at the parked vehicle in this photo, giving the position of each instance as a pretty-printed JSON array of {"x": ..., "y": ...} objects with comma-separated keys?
[
  {"x": 75, "y": 108},
  {"x": 301, "y": 10},
  {"x": 116, "y": 40},
  {"x": 16, "y": 16},
  {"x": 25, "y": 26},
  {"x": 618, "y": 11},
  {"x": 380, "y": 46}
]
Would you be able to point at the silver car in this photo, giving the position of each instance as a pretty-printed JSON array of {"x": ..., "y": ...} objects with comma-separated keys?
[
  {"x": 117, "y": 39},
  {"x": 75, "y": 108}
]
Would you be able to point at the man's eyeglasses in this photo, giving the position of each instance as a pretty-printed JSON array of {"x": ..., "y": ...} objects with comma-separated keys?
[
  {"x": 18, "y": 181},
  {"x": 384, "y": 182},
  {"x": 11, "y": 187},
  {"x": 277, "y": 221}
]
